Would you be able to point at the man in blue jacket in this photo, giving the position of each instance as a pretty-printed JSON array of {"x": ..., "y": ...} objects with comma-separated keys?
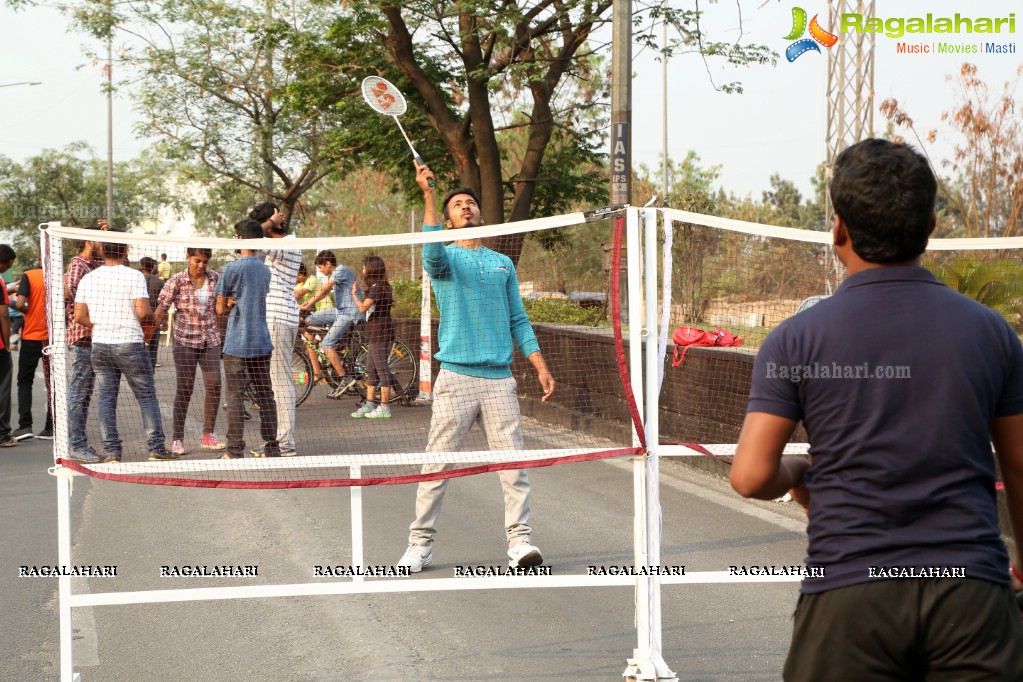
[{"x": 481, "y": 321}]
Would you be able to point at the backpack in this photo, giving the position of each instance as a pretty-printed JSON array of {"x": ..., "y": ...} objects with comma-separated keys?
[{"x": 686, "y": 337}]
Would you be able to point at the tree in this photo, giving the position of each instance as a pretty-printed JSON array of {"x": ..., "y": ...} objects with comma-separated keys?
[
  {"x": 212, "y": 81},
  {"x": 985, "y": 194},
  {"x": 541, "y": 49},
  {"x": 69, "y": 186}
]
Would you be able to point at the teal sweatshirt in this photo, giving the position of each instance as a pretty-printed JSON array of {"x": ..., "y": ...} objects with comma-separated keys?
[{"x": 481, "y": 313}]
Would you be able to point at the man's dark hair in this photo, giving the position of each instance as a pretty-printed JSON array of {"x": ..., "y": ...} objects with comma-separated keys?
[
  {"x": 884, "y": 191},
  {"x": 163, "y": 256},
  {"x": 326, "y": 257},
  {"x": 7, "y": 253},
  {"x": 115, "y": 251},
  {"x": 196, "y": 251},
  {"x": 147, "y": 263},
  {"x": 248, "y": 229},
  {"x": 263, "y": 212},
  {"x": 455, "y": 192},
  {"x": 80, "y": 243},
  {"x": 376, "y": 269},
  {"x": 302, "y": 270}
]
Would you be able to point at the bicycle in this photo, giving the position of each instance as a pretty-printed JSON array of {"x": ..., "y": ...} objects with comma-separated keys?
[{"x": 354, "y": 353}]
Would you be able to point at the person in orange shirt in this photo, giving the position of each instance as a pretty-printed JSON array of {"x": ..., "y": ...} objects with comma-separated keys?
[{"x": 35, "y": 336}]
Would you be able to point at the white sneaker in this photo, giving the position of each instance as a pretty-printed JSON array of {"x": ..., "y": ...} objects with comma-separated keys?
[
  {"x": 178, "y": 448},
  {"x": 416, "y": 558},
  {"x": 381, "y": 412},
  {"x": 524, "y": 555},
  {"x": 366, "y": 408}
]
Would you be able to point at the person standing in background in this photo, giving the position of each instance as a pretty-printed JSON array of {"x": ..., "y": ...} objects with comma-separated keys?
[
  {"x": 79, "y": 346},
  {"x": 163, "y": 270},
  {"x": 380, "y": 330},
  {"x": 31, "y": 302},
  {"x": 17, "y": 319},
  {"x": 241, "y": 293},
  {"x": 281, "y": 320},
  {"x": 7, "y": 257},
  {"x": 196, "y": 344},
  {"x": 113, "y": 302},
  {"x": 154, "y": 285}
]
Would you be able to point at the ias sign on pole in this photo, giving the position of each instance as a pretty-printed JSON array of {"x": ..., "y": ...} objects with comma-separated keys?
[{"x": 620, "y": 166}]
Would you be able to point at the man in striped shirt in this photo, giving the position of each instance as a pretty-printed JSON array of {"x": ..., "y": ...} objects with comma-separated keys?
[{"x": 281, "y": 319}]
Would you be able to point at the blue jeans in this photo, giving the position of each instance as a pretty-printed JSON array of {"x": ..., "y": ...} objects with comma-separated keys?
[
  {"x": 79, "y": 396},
  {"x": 339, "y": 324},
  {"x": 110, "y": 362}
]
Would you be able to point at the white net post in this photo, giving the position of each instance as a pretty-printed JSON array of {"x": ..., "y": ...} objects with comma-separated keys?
[
  {"x": 425, "y": 345},
  {"x": 52, "y": 252},
  {"x": 647, "y": 662},
  {"x": 52, "y": 259}
]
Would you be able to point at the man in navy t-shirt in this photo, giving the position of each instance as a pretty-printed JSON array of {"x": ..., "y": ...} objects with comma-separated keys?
[
  {"x": 902, "y": 384},
  {"x": 242, "y": 289}
]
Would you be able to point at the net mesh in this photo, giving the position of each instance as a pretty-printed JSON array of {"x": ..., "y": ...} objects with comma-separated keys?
[
  {"x": 212, "y": 399},
  {"x": 746, "y": 279}
]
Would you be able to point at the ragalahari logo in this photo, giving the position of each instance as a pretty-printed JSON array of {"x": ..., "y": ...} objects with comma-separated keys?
[{"x": 817, "y": 35}]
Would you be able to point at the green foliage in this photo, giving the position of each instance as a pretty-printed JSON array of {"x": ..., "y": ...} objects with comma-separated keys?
[
  {"x": 562, "y": 312},
  {"x": 70, "y": 186},
  {"x": 408, "y": 296},
  {"x": 997, "y": 283}
]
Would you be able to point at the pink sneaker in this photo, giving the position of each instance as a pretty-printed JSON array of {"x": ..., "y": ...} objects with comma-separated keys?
[
  {"x": 210, "y": 442},
  {"x": 178, "y": 448}
]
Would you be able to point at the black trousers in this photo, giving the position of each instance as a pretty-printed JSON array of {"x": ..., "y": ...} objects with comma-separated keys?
[
  {"x": 238, "y": 372},
  {"x": 28, "y": 360},
  {"x": 6, "y": 375},
  {"x": 926, "y": 629}
]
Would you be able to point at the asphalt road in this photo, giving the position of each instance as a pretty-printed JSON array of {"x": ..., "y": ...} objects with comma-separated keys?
[{"x": 582, "y": 516}]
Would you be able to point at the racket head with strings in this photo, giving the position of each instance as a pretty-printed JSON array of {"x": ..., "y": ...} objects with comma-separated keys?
[
  {"x": 384, "y": 98},
  {"x": 381, "y": 95}
]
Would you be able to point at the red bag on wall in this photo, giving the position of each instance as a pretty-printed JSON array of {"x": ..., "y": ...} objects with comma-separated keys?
[{"x": 686, "y": 337}]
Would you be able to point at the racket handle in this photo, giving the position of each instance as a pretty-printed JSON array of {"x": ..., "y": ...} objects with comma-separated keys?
[{"x": 419, "y": 160}]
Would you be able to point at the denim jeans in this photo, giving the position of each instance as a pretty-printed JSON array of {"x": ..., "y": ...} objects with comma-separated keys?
[
  {"x": 339, "y": 324},
  {"x": 110, "y": 362},
  {"x": 79, "y": 396}
]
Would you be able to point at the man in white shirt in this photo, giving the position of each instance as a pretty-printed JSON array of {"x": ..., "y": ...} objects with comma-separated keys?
[
  {"x": 282, "y": 321},
  {"x": 113, "y": 301}
]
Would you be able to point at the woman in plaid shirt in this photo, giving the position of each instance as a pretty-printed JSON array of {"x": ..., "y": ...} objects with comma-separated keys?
[{"x": 196, "y": 342}]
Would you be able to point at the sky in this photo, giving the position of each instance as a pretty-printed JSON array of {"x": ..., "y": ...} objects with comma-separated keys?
[{"x": 776, "y": 126}]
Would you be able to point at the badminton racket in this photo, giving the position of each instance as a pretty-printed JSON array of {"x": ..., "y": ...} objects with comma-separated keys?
[{"x": 381, "y": 95}]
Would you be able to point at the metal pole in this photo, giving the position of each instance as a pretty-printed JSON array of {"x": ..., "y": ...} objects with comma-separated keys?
[
  {"x": 110, "y": 128},
  {"x": 664, "y": 113},
  {"x": 621, "y": 102}
]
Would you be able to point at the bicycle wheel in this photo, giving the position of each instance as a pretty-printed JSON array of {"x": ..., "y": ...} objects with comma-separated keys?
[
  {"x": 302, "y": 375},
  {"x": 400, "y": 361}
]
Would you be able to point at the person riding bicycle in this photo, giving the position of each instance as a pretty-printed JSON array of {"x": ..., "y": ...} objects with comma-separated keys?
[{"x": 341, "y": 318}]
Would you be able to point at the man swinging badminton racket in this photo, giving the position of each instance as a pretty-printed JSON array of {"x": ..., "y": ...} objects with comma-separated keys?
[
  {"x": 481, "y": 318},
  {"x": 900, "y": 487}
]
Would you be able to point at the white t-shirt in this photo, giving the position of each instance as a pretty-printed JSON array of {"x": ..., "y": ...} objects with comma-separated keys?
[{"x": 110, "y": 292}]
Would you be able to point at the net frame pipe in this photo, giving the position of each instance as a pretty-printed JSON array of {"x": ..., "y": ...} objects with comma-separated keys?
[{"x": 645, "y": 468}]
